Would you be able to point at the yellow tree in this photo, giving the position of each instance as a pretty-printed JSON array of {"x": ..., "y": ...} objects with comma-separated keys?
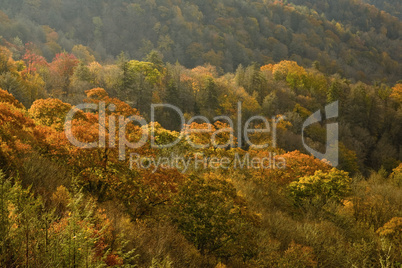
[
  {"x": 321, "y": 188},
  {"x": 210, "y": 213},
  {"x": 50, "y": 112},
  {"x": 290, "y": 71},
  {"x": 391, "y": 232}
]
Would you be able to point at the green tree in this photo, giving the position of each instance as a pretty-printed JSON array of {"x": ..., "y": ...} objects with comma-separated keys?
[
  {"x": 210, "y": 214},
  {"x": 156, "y": 58},
  {"x": 334, "y": 92},
  {"x": 212, "y": 96},
  {"x": 5, "y": 252}
]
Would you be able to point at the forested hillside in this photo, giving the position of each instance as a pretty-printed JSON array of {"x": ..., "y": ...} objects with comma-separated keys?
[
  {"x": 351, "y": 38},
  {"x": 79, "y": 80},
  {"x": 393, "y": 7},
  {"x": 65, "y": 206}
]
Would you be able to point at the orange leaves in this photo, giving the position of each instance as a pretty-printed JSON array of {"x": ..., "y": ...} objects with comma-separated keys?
[
  {"x": 16, "y": 131},
  {"x": 397, "y": 171},
  {"x": 85, "y": 128},
  {"x": 97, "y": 95},
  {"x": 13, "y": 117},
  {"x": 392, "y": 229},
  {"x": 50, "y": 140},
  {"x": 199, "y": 134},
  {"x": 203, "y": 71},
  {"x": 296, "y": 165},
  {"x": 397, "y": 93},
  {"x": 20, "y": 135},
  {"x": 266, "y": 68},
  {"x": 299, "y": 164},
  {"x": 8, "y": 98},
  {"x": 51, "y": 114},
  {"x": 206, "y": 135}
]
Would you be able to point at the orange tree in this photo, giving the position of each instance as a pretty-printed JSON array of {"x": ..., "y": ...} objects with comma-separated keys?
[
  {"x": 96, "y": 168},
  {"x": 17, "y": 131},
  {"x": 397, "y": 93},
  {"x": 293, "y": 165}
]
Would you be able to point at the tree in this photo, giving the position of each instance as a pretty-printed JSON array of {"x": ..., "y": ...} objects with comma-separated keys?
[
  {"x": 5, "y": 63},
  {"x": 81, "y": 237},
  {"x": 50, "y": 112},
  {"x": 62, "y": 68},
  {"x": 17, "y": 134},
  {"x": 321, "y": 188},
  {"x": 210, "y": 214},
  {"x": 290, "y": 71},
  {"x": 212, "y": 95},
  {"x": 391, "y": 232},
  {"x": 26, "y": 225},
  {"x": 139, "y": 80},
  {"x": 298, "y": 256},
  {"x": 10, "y": 99},
  {"x": 15, "y": 85},
  {"x": 5, "y": 186},
  {"x": 397, "y": 93},
  {"x": 396, "y": 175},
  {"x": 33, "y": 61},
  {"x": 126, "y": 81},
  {"x": 334, "y": 92},
  {"x": 297, "y": 165},
  {"x": 143, "y": 191},
  {"x": 156, "y": 58},
  {"x": 347, "y": 160},
  {"x": 83, "y": 53}
]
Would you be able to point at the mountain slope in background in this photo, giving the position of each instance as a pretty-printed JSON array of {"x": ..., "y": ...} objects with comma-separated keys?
[
  {"x": 352, "y": 38},
  {"x": 393, "y": 7}
]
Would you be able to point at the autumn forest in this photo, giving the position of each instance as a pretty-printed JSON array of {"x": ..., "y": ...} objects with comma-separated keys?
[{"x": 222, "y": 98}]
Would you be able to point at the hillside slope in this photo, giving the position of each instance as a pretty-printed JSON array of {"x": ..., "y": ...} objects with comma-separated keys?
[{"x": 348, "y": 37}]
